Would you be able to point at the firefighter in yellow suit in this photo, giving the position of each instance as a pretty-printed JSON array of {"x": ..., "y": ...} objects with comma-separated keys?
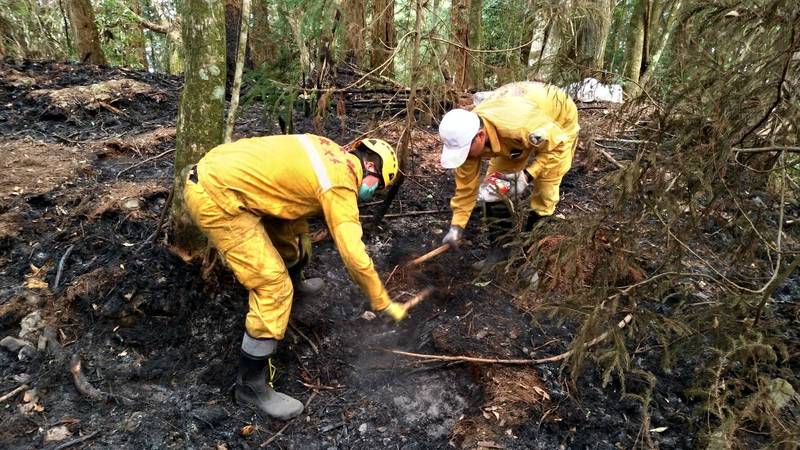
[
  {"x": 517, "y": 121},
  {"x": 251, "y": 198}
]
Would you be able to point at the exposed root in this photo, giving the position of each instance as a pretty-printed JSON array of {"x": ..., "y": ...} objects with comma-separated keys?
[{"x": 81, "y": 383}]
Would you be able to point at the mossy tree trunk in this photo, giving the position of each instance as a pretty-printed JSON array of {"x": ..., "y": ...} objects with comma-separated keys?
[
  {"x": 200, "y": 112},
  {"x": 634, "y": 47},
  {"x": 384, "y": 36},
  {"x": 84, "y": 28}
]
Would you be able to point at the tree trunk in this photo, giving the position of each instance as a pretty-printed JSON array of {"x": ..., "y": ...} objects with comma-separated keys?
[
  {"x": 634, "y": 47},
  {"x": 260, "y": 44},
  {"x": 459, "y": 59},
  {"x": 544, "y": 47},
  {"x": 354, "y": 12},
  {"x": 87, "y": 40},
  {"x": 200, "y": 112},
  {"x": 137, "y": 36},
  {"x": 591, "y": 34},
  {"x": 664, "y": 37},
  {"x": 233, "y": 21},
  {"x": 384, "y": 36},
  {"x": 241, "y": 54},
  {"x": 475, "y": 19}
]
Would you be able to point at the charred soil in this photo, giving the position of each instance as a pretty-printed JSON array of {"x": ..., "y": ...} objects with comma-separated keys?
[{"x": 87, "y": 172}]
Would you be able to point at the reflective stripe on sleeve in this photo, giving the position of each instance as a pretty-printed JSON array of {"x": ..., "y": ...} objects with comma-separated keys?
[
  {"x": 258, "y": 348},
  {"x": 316, "y": 163}
]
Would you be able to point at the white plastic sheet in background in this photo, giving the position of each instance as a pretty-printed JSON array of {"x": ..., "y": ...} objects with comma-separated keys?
[
  {"x": 591, "y": 90},
  {"x": 586, "y": 91}
]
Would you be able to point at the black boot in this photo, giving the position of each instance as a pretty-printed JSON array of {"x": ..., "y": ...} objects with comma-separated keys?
[
  {"x": 533, "y": 219},
  {"x": 304, "y": 287},
  {"x": 252, "y": 390},
  {"x": 499, "y": 221}
]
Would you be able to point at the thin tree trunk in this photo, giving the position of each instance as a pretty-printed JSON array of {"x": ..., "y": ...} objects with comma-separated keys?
[
  {"x": 459, "y": 58},
  {"x": 384, "y": 35},
  {"x": 237, "y": 76},
  {"x": 475, "y": 19},
  {"x": 669, "y": 29},
  {"x": 634, "y": 47},
  {"x": 87, "y": 40},
  {"x": 259, "y": 42},
  {"x": 405, "y": 139},
  {"x": 200, "y": 112}
]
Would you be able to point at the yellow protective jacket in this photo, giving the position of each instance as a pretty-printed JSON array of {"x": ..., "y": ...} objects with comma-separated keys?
[
  {"x": 543, "y": 122},
  {"x": 553, "y": 101},
  {"x": 292, "y": 177}
]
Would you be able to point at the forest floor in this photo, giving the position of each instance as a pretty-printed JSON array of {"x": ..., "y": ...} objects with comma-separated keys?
[{"x": 87, "y": 169}]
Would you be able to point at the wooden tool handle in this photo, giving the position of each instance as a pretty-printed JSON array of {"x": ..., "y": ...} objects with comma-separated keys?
[
  {"x": 425, "y": 293},
  {"x": 431, "y": 254}
]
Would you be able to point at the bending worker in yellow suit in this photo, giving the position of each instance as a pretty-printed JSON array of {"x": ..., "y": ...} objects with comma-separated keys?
[
  {"x": 251, "y": 199},
  {"x": 516, "y": 122}
]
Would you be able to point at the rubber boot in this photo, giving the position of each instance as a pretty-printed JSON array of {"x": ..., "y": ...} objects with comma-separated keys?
[
  {"x": 533, "y": 219},
  {"x": 499, "y": 221},
  {"x": 304, "y": 287},
  {"x": 252, "y": 390}
]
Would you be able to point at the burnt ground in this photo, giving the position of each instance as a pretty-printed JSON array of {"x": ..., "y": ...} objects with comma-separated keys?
[{"x": 82, "y": 176}]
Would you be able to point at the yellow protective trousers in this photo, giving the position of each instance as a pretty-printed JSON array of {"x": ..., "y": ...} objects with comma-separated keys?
[{"x": 255, "y": 249}]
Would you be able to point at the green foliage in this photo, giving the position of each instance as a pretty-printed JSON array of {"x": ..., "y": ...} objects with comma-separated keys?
[
  {"x": 33, "y": 30},
  {"x": 118, "y": 33}
]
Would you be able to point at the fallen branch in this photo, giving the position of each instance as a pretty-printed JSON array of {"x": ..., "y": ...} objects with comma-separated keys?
[
  {"x": 81, "y": 383},
  {"x": 14, "y": 392},
  {"x": 76, "y": 441},
  {"x": 165, "y": 152},
  {"x": 767, "y": 149},
  {"x": 61, "y": 267},
  {"x": 310, "y": 342},
  {"x": 431, "y": 254},
  {"x": 622, "y": 323},
  {"x": 608, "y": 156}
]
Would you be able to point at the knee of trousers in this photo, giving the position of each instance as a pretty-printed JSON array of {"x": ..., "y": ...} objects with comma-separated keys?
[
  {"x": 545, "y": 197},
  {"x": 269, "y": 307}
]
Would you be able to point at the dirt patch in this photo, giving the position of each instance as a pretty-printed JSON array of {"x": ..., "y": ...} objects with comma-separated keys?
[
  {"x": 128, "y": 197},
  {"x": 36, "y": 167}
]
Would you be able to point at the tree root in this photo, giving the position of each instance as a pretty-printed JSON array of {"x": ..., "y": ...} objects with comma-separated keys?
[{"x": 81, "y": 383}]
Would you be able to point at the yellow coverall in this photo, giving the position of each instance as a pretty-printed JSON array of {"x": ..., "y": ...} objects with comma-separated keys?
[
  {"x": 252, "y": 198},
  {"x": 510, "y": 117}
]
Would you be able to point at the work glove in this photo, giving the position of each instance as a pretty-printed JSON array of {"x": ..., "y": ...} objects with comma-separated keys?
[
  {"x": 454, "y": 236},
  {"x": 519, "y": 182},
  {"x": 396, "y": 311},
  {"x": 494, "y": 188},
  {"x": 499, "y": 186}
]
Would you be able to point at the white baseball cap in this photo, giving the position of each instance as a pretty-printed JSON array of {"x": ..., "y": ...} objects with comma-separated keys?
[{"x": 457, "y": 129}]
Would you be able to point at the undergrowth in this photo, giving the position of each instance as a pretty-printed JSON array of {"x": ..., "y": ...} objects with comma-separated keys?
[{"x": 695, "y": 241}]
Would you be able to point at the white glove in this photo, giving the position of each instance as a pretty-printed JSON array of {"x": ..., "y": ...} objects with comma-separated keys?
[
  {"x": 499, "y": 186},
  {"x": 519, "y": 182},
  {"x": 453, "y": 237}
]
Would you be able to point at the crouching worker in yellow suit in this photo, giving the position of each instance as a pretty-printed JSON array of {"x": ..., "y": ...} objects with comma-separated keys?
[
  {"x": 251, "y": 199},
  {"x": 516, "y": 122}
]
